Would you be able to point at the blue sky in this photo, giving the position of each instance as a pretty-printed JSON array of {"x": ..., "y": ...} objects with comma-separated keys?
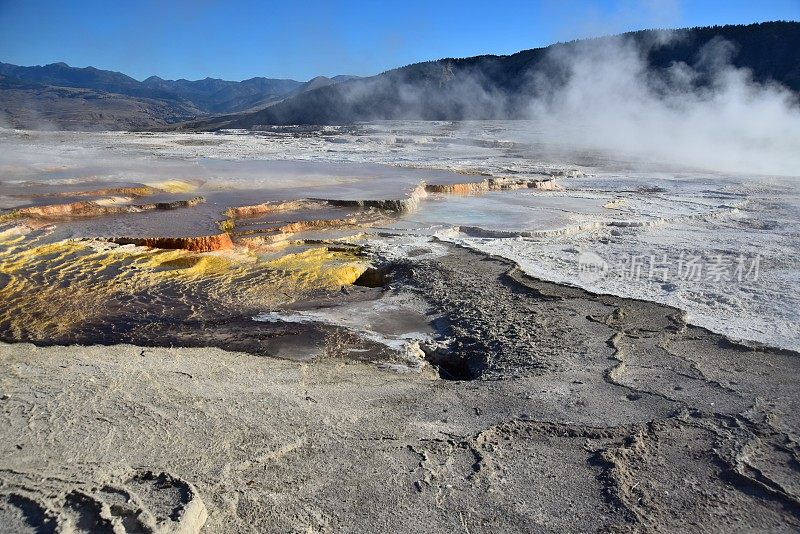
[{"x": 301, "y": 39}]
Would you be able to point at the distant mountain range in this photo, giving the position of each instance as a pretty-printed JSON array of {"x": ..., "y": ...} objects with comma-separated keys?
[
  {"x": 480, "y": 87},
  {"x": 61, "y": 96}
]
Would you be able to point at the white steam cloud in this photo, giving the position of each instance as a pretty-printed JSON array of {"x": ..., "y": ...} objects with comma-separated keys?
[{"x": 606, "y": 97}]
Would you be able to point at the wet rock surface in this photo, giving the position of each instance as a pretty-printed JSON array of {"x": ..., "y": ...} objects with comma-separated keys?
[
  {"x": 494, "y": 184},
  {"x": 96, "y": 209},
  {"x": 203, "y": 243}
]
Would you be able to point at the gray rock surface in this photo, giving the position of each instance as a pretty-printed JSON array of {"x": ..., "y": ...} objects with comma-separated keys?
[{"x": 588, "y": 413}]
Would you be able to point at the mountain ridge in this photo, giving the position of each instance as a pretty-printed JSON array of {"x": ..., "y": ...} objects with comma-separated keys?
[
  {"x": 55, "y": 95},
  {"x": 500, "y": 86},
  {"x": 476, "y": 87}
]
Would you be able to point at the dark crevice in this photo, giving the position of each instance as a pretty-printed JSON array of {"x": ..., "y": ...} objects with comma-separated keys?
[{"x": 374, "y": 277}]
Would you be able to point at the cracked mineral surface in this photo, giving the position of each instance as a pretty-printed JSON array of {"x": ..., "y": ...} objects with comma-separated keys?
[
  {"x": 561, "y": 410},
  {"x": 390, "y": 336}
]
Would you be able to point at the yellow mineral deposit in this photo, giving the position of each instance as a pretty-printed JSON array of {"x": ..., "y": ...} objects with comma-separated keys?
[
  {"x": 615, "y": 204},
  {"x": 49, "y": 289},
  {"x": 174, "y": 186},
  {"x": 321, "y": 268},
  {"x": 257, "y": 262},
  {"x": 133, "y": 191},
  {"x": 179, "y": 263},
  {"x": 13, "y": 234}
]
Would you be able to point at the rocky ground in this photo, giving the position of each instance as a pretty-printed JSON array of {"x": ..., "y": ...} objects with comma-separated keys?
[{"x": 553, "y": 409}]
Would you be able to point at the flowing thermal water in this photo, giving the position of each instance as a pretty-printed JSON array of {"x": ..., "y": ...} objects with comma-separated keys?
[{"x": 722, "y": 247}]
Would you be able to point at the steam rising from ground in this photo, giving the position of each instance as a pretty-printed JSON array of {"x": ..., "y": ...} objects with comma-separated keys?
[
  {"x": 605, "y": 94},
  {"x": 709, "y": 114}
]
